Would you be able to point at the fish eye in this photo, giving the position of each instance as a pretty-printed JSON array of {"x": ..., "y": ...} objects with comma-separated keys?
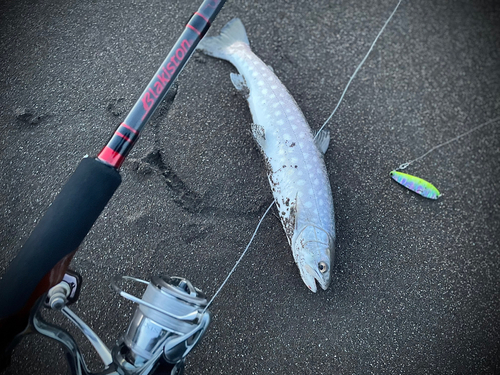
[{"x": 323, "y": 267}]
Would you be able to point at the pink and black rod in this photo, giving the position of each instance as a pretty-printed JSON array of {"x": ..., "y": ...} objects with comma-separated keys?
[
  {"x": 125, "y": 136},
  {"x": 44, "y": 258}
]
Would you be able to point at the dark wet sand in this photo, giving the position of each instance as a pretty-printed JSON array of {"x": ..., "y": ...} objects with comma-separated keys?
[{"x": 416, "y": 282}]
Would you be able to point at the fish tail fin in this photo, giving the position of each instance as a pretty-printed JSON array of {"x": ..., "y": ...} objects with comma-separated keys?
[{"x": 217, "y": 46}]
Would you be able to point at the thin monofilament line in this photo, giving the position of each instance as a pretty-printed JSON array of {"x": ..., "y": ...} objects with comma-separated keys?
[
  {"x": 359, "y": 67},
  {"x": 338, "y": 104},
  {"x": 405, "y": 165},
  {"x": 241, "y": 256}
]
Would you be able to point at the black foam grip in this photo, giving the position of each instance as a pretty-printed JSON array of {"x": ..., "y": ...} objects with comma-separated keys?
[{"x": 60, "y": 231}]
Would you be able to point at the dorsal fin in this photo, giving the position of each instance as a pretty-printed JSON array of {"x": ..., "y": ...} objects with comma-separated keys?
[{"x": 322, "y": 140}]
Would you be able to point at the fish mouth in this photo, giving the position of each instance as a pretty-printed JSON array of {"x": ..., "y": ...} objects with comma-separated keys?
[{"x": 312, "y": 279}]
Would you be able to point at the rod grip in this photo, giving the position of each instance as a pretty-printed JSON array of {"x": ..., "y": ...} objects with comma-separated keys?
[{"x": 59, "y": 232}]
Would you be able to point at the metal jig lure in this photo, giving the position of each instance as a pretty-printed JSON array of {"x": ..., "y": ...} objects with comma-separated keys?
[{"x": 416, "y": 184}]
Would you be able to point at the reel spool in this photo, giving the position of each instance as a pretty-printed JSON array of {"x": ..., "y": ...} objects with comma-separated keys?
[{"x": 169, "y": 320}]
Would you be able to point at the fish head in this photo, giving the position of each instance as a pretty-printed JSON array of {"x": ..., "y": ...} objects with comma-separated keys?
[{"x": 313, "y": 250}]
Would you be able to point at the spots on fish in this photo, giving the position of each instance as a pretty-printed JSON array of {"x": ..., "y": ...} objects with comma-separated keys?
[{"x": 286, "y": 131}]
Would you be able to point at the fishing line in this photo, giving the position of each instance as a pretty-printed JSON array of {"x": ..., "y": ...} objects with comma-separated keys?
[
  {"x": 419, "y": 185},
  {"x": 241, "y": 256},
  {"x": 405, "y": 165},
  {"x": 358, "y": 68},
  {"x": 335, "y": 110}
]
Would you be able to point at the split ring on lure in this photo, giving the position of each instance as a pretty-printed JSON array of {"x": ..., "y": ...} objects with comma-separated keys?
[{"x": 416, "y": 184}]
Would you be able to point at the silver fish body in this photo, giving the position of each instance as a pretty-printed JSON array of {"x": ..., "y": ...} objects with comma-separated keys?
[{"x": 294, "y": 157}]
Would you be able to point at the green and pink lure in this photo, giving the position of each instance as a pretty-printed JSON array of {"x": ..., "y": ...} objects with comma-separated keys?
[{"x": 416, "y": 184}]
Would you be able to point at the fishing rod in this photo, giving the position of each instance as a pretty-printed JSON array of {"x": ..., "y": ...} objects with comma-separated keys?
[
  {"x": 125, "y": 136},
  {"x": 44, "y": 258}
]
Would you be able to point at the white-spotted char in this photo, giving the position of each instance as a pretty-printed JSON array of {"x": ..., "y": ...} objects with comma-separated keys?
[{"x": 294, "y": 157}]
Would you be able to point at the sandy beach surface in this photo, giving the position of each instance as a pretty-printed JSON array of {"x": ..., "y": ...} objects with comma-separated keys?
[{"x": 416, "y": 283}]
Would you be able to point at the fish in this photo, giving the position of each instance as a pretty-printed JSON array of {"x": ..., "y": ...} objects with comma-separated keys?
[
  {"x": 294, "y": 157},
  {"x": 416, "y": 184}
]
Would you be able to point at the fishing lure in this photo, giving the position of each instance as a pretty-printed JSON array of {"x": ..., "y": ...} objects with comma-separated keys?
[
  {"x": 416, "y": 184},
  {"x": 419, "y": 185}
]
